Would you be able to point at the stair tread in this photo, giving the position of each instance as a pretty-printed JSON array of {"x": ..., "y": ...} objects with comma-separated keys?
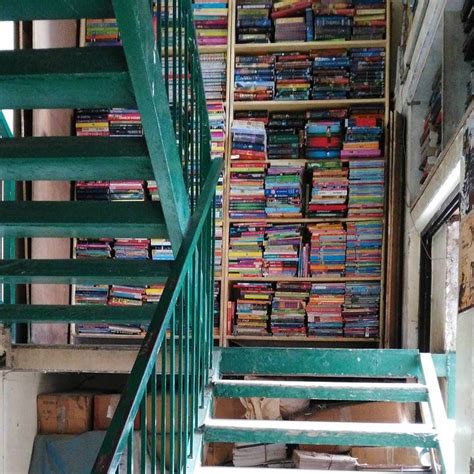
[
  {"x": 86, "y": 271},
  {"x": 320, "y": 433},
  {"x": 28, "y": 10},
  {"x": 26, "y": 313},
  {"x": 82, "y": 219},
  {"x": 74, "y": 158},
  {"x": 65, "y": 78},
  {"x": 258, "y": 470},
  {"x": 322, "y": 390}
]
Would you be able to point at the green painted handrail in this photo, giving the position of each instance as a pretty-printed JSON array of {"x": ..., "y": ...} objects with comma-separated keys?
[{"x": 183, "y": 306}]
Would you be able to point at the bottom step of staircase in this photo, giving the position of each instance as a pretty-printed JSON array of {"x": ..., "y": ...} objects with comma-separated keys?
[{"x": 259, "y": 470}]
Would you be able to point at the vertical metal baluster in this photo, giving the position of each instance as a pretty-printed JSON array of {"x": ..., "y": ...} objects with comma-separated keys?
[
  {"x": 195, "y": 367},
  {"x": 199, "y": 321},
  {"x": 186, "y": 127},
  {"x": 188, "y": 329},
  {"x": 153, "y": 422},
  {"x": 172, "y": 388},
  {"x": 180, "y": 380},
  {"x": 175, "y": 61},
  {"x": 158, "y": 28},
  {"x": 130, "y": 453},
  {"x": 166, "y": 45},
  {"x": 213, "y": 274},
  {"x": 179, "y": 122},
  {"x": 163, "y": 406},
  {"x": 143, "y": 432}
]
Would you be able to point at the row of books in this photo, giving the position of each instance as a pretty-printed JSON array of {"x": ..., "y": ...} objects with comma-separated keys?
[
  {"x": 430, "y": 140},
  {"x": 325, "y": 249},
  {"x": 156, "y": 249},
  {"x": 264, "y": 21},
  {"x": 332, "y": 74},
  {"x": 124, "y": 190},
  {"x": 304, "y": 309},
  {"x": 211, "y": 22}
]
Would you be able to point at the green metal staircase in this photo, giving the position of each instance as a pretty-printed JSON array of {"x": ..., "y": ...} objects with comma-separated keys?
[{"x": 177, "y": 373}]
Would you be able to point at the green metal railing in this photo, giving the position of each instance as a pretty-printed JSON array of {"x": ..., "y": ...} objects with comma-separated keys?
[{"x": 166, "y": 387}]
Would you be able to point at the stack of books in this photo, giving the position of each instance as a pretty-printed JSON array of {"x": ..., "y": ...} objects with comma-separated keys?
[
  {"x": 217, "y": 306},
  {"x": 253, "y": 21},
  {"x": 127, "y": 190},
  {"x": 265, "y": 455},
  {"x": 103, "y": 32},
  {"x": 246, "y": 249},
  {"x": 430, "y": 140},
  {"x": 93, "y": 248},
  {"x": 361, "y": 310},
  {"x": 367, "y": 73},
  {"x": 91, "y": 294},
  {"x": 213, "y": 67},
  {"x": 364, "y": 249},
  {"x": 218, "y": 213},
  {"x": 92, "y": 190},
  {"x": 216, "y": 113},
  {"x": 132, "y": 249},
  {"x": 247, "y": 174},
  {"x": 125, "y": 123},
  {"x": 332, "y": 22},
  {"x": 329, "y": 192},
  {"x": 323, "y": 140},
  {"x": 282, "y": 246},
  {"x": 153, "y": 293},
  {"x": 92, "y": 122},
  {"x": 289, "y": 309},
  {"x": 210, "y": 21},
  {"x": 161, "y": 249},
  {"x": 252, "y": 308},
  {"x": 121, "y": 295},
  {"x": 152, "y": 190},
  {"x": 325, "y": 309},
  {"x": 366, "y": 185},
  {"x": 331, "y": 78},
  {"x": 328, "y": 249},
  {"x": 285, "y": 134},
  {"x": 364, "y": 133},
  {"x": 369, "y": 20},
  {"x": 254, "y": 78},
  {"x": 290, "y": 29},
  {"x": 293, "y": 76},
  {"x": 283, "y": 191}
]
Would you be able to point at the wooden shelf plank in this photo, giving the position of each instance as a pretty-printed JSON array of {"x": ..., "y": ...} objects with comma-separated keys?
[
  {"x": 299, "y": 105},
  {"x": 302, "y": 339},
  {"x": 300, "y": 46},
  {"x": 311, "y": 279}
]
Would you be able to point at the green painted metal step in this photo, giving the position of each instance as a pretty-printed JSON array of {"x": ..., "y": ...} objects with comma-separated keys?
[
  {"x": 65, "y": 78},
  {"x": 25, "y": 313},
  {"x": 84, "y": 271},
  {"x": 347, "y": 391},
  {"x": 74, "y": 158},
  {"x": 312, "y": 362},
  {"x": 319, "y": 433},
  {"x": 87, "y": 219},
  {"x": 28, "y": 10}
]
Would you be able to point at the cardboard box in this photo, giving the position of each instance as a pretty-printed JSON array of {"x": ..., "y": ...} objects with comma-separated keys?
[
  {"x": 228, "y": 408},
  {"x": 366, "y": 412},
  {"x": 64, "y": 413},
  {"x": 387, "y": 457},
  {"x": 104, "y": 409},
  {"x": 218, "y": 454}
]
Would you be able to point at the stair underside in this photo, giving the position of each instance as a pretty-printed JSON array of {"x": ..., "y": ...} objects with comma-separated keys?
[
  {"x": 84, "y": 271},
  {"x": 85, "y": 219},
  {"x": 65, "y": 78},
  {"x": 75, "y": 158},
  {"x": 28, "y": 10}
]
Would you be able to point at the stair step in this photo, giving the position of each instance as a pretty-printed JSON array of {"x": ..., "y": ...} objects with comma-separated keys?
[
  {"x": 91, "y": 219},
  {"x": 65, "y": 78},
  {"x": 354, "y": 391},
  {"x": 258, "y": 470},
  {"x": 28, "y": 10},
  {"x": 74, "y": 158},
  {"x": 84, "y": 271},
  {"x": 25, "y": 313},
  {"x": 319, "y": 433}
]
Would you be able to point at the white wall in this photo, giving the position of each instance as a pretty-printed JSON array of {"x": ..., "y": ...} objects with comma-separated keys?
[{"x": 7, "y": 43}]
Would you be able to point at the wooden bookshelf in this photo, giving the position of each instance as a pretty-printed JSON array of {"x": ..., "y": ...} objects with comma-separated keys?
[{"x": 233, "y": 106}]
